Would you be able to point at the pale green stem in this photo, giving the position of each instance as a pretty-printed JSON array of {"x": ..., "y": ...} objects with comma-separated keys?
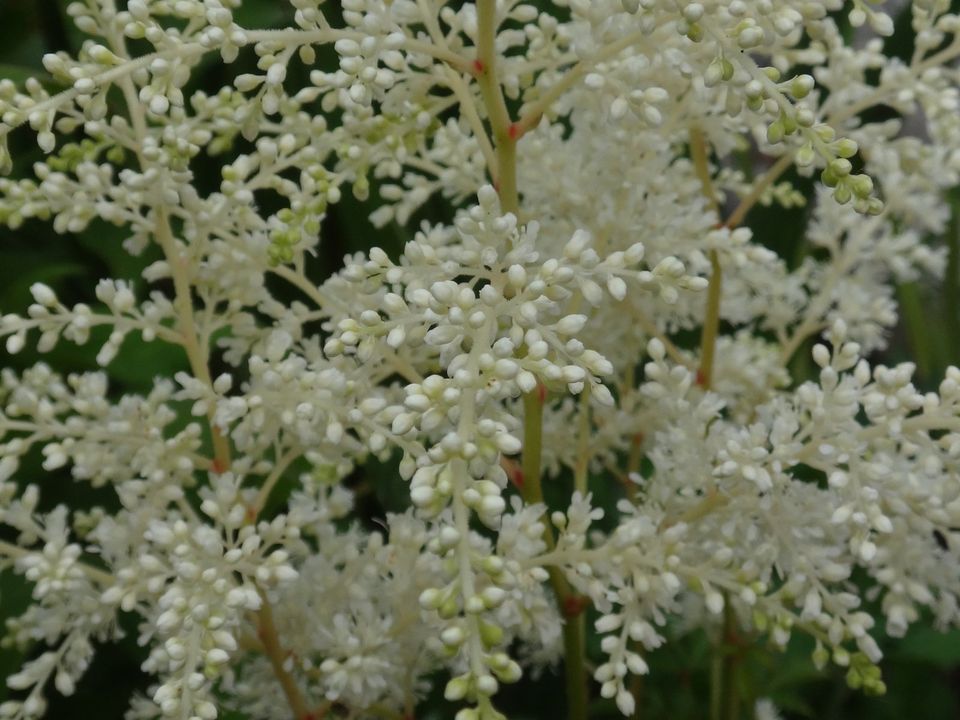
[
  {"x": 574, "y": 632},
  {"x": 504, "y": 135},
  {"x": 197, "y": 356}
]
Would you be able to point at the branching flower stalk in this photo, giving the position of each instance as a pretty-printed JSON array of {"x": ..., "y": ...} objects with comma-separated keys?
[{"x": 517, "y": 346}]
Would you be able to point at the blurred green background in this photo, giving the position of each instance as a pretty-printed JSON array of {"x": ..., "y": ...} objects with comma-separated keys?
[{"x": 922, "y": 671}]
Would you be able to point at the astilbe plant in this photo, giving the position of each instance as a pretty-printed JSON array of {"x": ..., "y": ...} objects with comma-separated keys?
[{"x": 598, "y": 217}]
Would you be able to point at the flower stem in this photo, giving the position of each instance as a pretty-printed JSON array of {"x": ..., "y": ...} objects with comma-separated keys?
[
  {"x": 731, "y": 664},
  {"x": 711, "y": 320},
  {"x": 267, "y": 632},
  {"x": 571, "y": 605},
  {"x": 724, "y": 695},
  {"x": 574, "y": 648},
  {"x": 759, "y": 188},
  {"x": 503, "y": 131},
  {"x": 505, "y": 134}
]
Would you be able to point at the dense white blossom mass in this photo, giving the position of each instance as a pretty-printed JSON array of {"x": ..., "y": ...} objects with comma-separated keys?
[{"x": 589, "y": 154}]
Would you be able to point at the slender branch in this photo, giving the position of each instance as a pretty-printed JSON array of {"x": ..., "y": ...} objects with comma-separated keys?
[
  {"x": 841, "y": 115},
  {"x": 505, "y": 134},
  {"x": 716, "y": 686},
  {"x": 759, "y": 188},
  {"x": 330, "y": 35},
  {"x": 188, "y": 51},
  {"x": 197, "y": 356},
  {"x": 711, "y": 321},
  {"x": 942, "y": 57},
  {"x": 503, "y": 131},
  {"x": 731, "y": 663},
  {"x": 61, "y": 430},
  {"x": 184, "y": 52},
  {"x": 723, "y": 671},
  {"x": 97, "y": 575},
  {"x": 267, "y": 632},
  {"x": 571, "y": 606},
  {"x": 469, "y": 109},
  {"x": 710, "y": 502},
  {"x": 532, "y": 113},
  {"x": 278, "y": 469}
]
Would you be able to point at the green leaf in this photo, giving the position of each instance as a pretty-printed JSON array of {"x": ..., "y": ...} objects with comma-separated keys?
[
  {"x": 21, "y": 73},
  {"x": 926, "y": 645}
]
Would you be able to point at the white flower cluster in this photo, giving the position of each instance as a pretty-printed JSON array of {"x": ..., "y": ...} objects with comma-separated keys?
[{"x": 599, "y": 218}]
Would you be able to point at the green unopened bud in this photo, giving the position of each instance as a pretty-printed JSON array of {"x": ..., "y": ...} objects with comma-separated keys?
[
  {"x": 775, "y": 132},
  {"x": 840, "y": 167},
  {"x": 825, "y": 132},
  {"x": 801, "y": 86},
  {"x": 307, "y": 54},
  {"x": 103, "y": 56},
  {"x": 789, "y": 124},
  {"x": 862, "y": 185},
  {"x": 695, "y": 32},
  {"x": 842, "y": 194},
  {"x": 841, "y": 657},
  {"x": 490, "y": 634},
  {"x": 116, "y": 155},
  {"x": 820, "y": 657},
  {"x": 714, "y": 73},
  {"x": 845, "y": 147},
  {"x": 361, "y": 189},
  {"x": 492, "y": 565},
  {"x": 448, "y": 608},
  {"x": 727, "y": 69},
  {"x": 719, "y": 70},
  {"x": 491, "y": 713},
  {"x": 510, "y": 673},
  {"x": 457, "y": 688}
]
